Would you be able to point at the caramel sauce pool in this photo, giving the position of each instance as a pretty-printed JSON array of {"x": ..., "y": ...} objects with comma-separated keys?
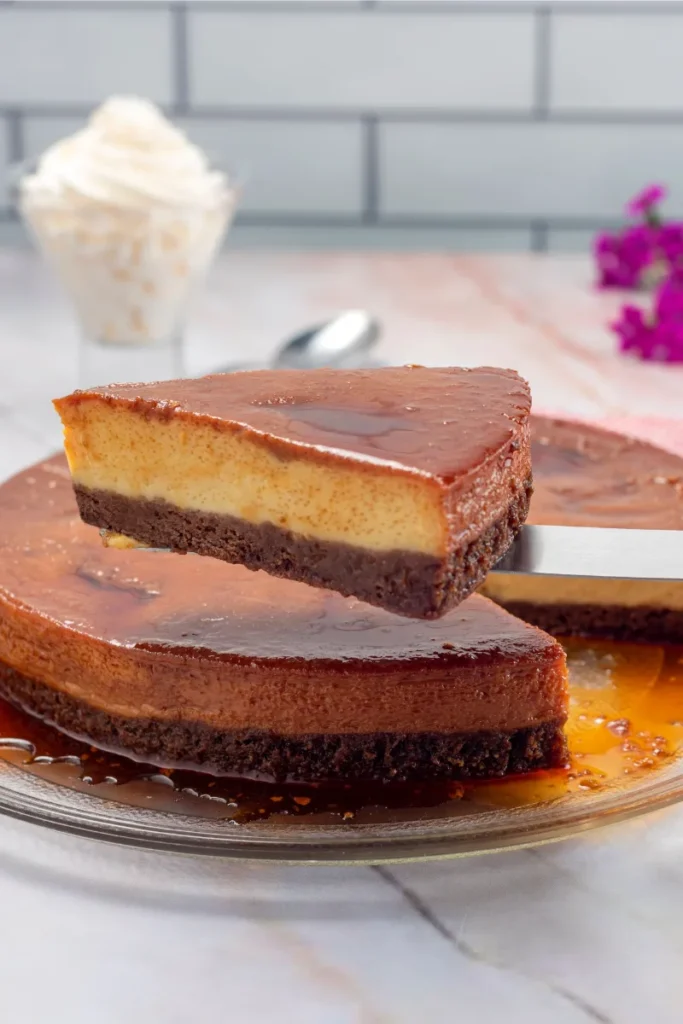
[{"x": 626, "y": 721}]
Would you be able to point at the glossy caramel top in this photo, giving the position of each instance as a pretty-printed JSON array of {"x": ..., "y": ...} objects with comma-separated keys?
[
  {"x": 585, "y": 476},
  {"x": 54, "y": 565},
  {"x": 442, "y": 422}
]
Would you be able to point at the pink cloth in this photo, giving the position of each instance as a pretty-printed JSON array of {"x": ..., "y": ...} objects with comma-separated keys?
[
  {"x": 663, "y": 432},
  {"x": 666, "y": 433}
]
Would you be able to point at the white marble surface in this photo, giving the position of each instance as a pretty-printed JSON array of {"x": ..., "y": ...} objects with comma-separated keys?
[{"x": 588, "y": 930}]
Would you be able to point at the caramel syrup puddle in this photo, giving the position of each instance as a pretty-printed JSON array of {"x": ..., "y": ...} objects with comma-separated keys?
[{"x": 625, "y": 722}]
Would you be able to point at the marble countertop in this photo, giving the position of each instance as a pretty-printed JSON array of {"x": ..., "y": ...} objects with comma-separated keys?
[{"x": 589, "y": 930}]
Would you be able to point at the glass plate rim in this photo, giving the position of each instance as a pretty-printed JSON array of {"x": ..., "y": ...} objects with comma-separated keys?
[{"x": 28, "y": 797}]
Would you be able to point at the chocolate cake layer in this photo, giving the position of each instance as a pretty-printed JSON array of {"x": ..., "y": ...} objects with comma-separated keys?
[
  {"x": 404, "y": 582},
  {"x": 308, "y": 757},
  {"x": 613, "y": 622},
  {"x": 425, "y": 466}
]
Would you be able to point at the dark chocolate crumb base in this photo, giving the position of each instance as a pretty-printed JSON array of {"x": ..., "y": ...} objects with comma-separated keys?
[
  {"x": 407, "y": 583},
  {"x": 611, "y": 622},
  {"x": 377, "y": 757}
]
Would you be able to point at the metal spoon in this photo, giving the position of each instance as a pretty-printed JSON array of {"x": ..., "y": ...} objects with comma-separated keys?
[{"x": 341, "y": 342}]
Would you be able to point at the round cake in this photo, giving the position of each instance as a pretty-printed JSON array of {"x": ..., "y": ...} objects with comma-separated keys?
[{"x": 189, "y": 661}]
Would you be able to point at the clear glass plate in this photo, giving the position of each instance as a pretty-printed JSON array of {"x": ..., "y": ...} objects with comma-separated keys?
[
  {"x": 625, "y": 735},
  {"x": 451, "y": 830}
]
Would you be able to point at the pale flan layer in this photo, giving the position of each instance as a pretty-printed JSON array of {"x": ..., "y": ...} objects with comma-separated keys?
[
  {"x": 584, "y": 590},
  {"x": 402, "y": 458},
  {"x": 197, "y": 467}
]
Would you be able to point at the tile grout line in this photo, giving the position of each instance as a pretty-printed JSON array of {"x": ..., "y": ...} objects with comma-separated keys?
[
  {"x": 180, "y": 58},
  {"x": 591, "y": 1013},
  {"x": 14, "y": 141},
  {"x": 398, "y": 7},
  {"x": 300, "y": 218},
  {"x": 482, "y": 116},
  {"x": 540, "y": 227},
  {"x": 542, "y": 59},
  {"x": 518, "y": 6},
  {"x": 523, "y": 6},
  {"x": 370, "y": 171},
  {"x": 540, "y": 233},
  {"x": 15, "y": 135}
]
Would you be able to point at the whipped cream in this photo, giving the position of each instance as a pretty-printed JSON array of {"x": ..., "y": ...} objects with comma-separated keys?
[
  {"x": 130, "y": 214},
  {"x": 128, "y": 154}
]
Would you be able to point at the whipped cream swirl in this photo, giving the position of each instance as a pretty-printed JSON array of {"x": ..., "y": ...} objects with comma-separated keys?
[{"x": 128, "y": 155}]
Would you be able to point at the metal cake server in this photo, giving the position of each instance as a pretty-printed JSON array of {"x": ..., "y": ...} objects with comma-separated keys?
[
  {"x": 591, "y": 551},
  {"x": 595, "y": 551}
]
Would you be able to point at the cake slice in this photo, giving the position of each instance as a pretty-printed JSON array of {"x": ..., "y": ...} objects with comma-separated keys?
[{"x": 399, "y": 486}]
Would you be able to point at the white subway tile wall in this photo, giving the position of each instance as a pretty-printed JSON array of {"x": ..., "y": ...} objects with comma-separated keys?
[
  {"x": 300, "y": 167},
  {"x": 290, "y": 168},
  {"x": 5, "y": 159},
  {"x": 408, "y": 123},
  {"x": 362, "y": 60},
  {"x": 540, "y": 169},
  {"x": 51, "y": 54},
  {"x": 617, "y": 62}
]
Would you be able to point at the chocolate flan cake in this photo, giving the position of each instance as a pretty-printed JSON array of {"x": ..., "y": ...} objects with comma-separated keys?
[
  {"x": 587, "y": 476},
  {"x": 400, "y": 486},
  {"x": 189, "y": 661}
]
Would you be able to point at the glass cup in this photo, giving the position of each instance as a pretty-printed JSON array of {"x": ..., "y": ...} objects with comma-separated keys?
[{"x": 129, "y": 272}]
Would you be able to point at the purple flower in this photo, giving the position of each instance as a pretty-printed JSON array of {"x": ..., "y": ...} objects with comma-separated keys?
[
  {"x": 657, "y": 338},
  {"x": 640, "y": 254},
  {"x": 631, "y": 329},
  {"x": 664, "y": 343},
  {"x": 645, "y": 200},
  {"x": 670, "y": 243},
  {"x": 669, "y": 298},
  {"x": 622, "y": 258}
]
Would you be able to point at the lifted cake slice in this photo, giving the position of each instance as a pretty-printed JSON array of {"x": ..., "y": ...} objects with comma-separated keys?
[{"x": 399, "y": 486}]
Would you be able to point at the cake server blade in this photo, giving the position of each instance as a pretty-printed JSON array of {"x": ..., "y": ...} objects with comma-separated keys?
[{"x": 595, "y": 551}]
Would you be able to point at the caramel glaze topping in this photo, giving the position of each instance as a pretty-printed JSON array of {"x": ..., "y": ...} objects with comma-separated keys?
[
  {"x": 405, "y": 416},
  {"x": 584, "y": 476}
]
